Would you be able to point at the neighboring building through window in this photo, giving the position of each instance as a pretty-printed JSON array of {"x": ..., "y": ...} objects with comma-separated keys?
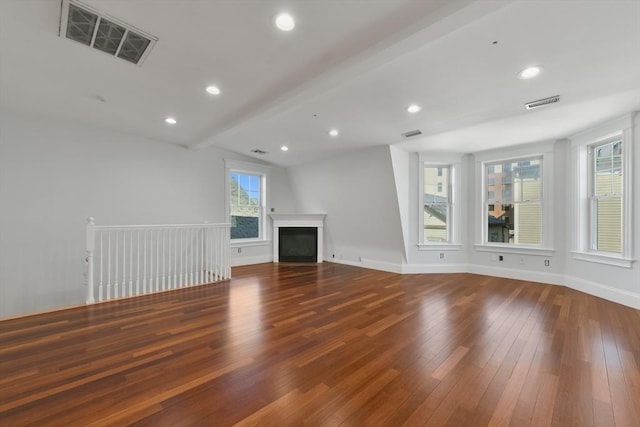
[
  {"x": 513, "y": 201},
  {"x": 436, "y": 203}
]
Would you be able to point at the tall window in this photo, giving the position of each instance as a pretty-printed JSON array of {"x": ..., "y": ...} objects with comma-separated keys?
[
  {"x": 247, "y": 199},
  {"x": 605, "y": 196},
  {"x": 245, "y": 203},
  {"x": 436, "y": 201},
  {"x": 513, "y": 201}
]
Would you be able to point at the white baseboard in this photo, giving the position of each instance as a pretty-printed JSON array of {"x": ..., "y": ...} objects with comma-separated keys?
[
  {"x": 620, "y": 296},
  {"x": 369, "y": 263},
  {"x": 434, "y": 268},
  {"x": 511, "y": 273},
  {"x": 249, "y": 260}
]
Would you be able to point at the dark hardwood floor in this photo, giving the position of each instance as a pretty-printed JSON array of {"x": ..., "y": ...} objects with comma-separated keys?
[{"x": 328, "y": 345}]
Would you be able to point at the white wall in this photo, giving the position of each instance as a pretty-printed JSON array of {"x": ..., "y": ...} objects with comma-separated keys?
[
  {"x": 55, "y": 173},
  {"x": 358, "y": 193},
  {"x": 401, "y": 161}
]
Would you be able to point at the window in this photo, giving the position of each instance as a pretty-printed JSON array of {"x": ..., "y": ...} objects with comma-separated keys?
[
  {"x": 602, "y": 202},
  {"x": 513, "y": 200},
  {"x": 246, "y": 200},
  {"x": 436, "y": 202},
  {"x": 245, "y": 203},
  {"x": 605, "y": 196}
]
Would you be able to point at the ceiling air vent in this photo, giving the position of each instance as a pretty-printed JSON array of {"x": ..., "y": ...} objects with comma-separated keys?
[
  {"x": 412, "y": 133},
  {"x": 542, "y": 102},
  {"x": 90, "y": 27},
  {"x": 258, "y": 151}
]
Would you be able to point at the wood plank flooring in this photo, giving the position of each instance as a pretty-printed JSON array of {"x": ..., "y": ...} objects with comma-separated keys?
[{"x": 328, "y": 345}]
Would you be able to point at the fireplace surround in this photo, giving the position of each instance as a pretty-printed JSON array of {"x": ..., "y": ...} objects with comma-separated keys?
[{"x": 298, "y": 221}]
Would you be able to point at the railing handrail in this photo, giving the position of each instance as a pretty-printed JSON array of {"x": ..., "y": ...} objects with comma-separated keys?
[{"x": 166, "y": 226}]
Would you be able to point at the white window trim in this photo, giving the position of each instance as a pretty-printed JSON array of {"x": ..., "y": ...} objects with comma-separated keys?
[
  {"x": 581, "y": 143},
  {"x": 544, "y": 150},
  {"x": 254, "y": 169},
  {"x": 454, "y": 162}
]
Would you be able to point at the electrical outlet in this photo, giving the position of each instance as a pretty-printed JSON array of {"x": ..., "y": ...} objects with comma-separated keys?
[
  {"x": 333, "y": 255},
  {"x": 500, "y": 258},
  {"x": 239, "y": 250},
  {"x": 441, "y": 255},
  {"x": 547, "y": 263}
]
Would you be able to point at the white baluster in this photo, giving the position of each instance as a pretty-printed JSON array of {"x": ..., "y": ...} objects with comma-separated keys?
[
  {"x": 116, "y": 286},
  {"x": 138, "y": 262},
  {"x": 189, "y": 256},
  {"x": 144, "y": 262},
  {"x": 100, "y": 289},
  {"x": 90, "y": 249},
  {"x": 175, "y": 258},
  {"x": 181, "y": 258},
  {"x": 108, "y": 265},
  {"x": 124, "y": 263},
  {"x": 130, "y": 262},
  {"x": 164, "y": 261},
  {"x": 202, "y": 254},
  {"x": 157, "y": 271}
]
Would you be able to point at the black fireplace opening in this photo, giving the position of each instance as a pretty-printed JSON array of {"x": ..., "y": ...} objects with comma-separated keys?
[{"x": 298, "y": 244}]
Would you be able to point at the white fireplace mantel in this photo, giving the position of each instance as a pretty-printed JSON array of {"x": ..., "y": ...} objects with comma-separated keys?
[{"x": 297, "y": 220}]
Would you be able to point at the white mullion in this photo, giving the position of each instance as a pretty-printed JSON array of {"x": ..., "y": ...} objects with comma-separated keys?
[
  {"x": 124, "y": 36},
  {"x": 95, "y": 32}
]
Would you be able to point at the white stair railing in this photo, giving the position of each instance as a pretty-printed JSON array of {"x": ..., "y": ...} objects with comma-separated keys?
[{"x": 128, "y": 260}]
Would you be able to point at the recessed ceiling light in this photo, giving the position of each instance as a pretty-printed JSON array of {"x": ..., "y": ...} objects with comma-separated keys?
[
  {"x": 170, "y": 120},
  {"x": 529, "y": 73},
  {"x": 414, "y": 108},
  {"x": 284, "y": 148},
  {"x": 285, "y": 22},
  {"x": 213, "y": 90},
  {"x": 333, "y": 132}
]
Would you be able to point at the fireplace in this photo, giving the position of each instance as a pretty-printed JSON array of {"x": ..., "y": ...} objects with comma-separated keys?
[
  {"x": 298, "y": 244},
  {"x": 297, "y": 237}
]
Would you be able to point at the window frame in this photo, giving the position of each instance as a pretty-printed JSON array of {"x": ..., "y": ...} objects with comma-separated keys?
[
  {"x": 593, "y": 198},
  {"x": 453, "y": 162},
  {"x": 543, "y": 149},
  {"x": 583, "y": 232},
  {"x": 248, "y": 168},
  {"x": 487, "y": 201}
]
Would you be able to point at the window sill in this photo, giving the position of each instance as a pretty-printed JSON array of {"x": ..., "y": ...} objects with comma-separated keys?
[
  {"x": 514, "y": 249},
  {"x": 600, "y": 258},
  {"x": 249, "y": 242},
  {"x": 439, "y": 246}
]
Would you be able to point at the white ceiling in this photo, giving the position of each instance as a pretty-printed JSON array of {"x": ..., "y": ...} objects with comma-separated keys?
[{"x": 352, "y": 64}]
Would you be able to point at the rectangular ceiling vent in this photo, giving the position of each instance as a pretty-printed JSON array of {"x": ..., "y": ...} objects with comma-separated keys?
[
  {"x": 95, "y": 29},
  {"x": 258, "y": 151},
  {"x": 412, "y": 133},
  {"x": 542, "y": 102}
]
